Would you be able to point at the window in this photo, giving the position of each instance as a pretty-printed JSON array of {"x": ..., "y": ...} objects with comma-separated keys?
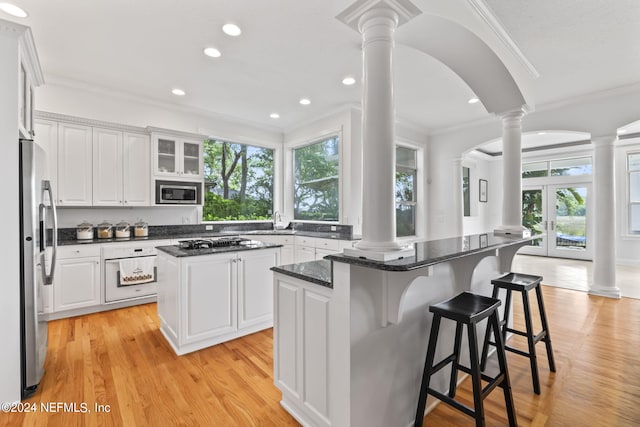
[
  {"x": 238, "y": 182},
  {"x": 466, "y": 191},
  {"x": 633, "y": 169},
  {"x": 406, "y": 177},
  {"x": 316, "y": 181},
  {"x": 557, "y": 167}
]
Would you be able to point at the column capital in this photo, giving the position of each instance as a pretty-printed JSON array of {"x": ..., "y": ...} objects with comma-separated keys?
[
  {"x": 512, "y": 118},
  {"x": 600, "y": 140},
  {"x": 353, "y": 15}
]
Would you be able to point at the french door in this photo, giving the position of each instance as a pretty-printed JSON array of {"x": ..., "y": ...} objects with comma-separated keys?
[{"x": 561, "y": 212}]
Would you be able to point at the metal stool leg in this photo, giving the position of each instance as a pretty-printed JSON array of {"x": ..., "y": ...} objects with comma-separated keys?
[
  {"x": 545, "y": 328},
  {"x": 428, "y": 365}
]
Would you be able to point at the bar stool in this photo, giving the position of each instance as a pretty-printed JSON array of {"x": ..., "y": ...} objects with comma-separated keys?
[
  {"x": 466, "y": 309},
  {"x": 522, "y": 283}
]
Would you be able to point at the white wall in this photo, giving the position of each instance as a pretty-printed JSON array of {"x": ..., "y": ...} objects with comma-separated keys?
[
  {"x": 485, "y": 217},
  {"x": 163, "y": 215}
]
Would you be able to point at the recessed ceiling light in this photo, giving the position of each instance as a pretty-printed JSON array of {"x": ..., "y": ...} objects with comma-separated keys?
[
  {"x": 473, "y": 101},
  {"x": 305, "y": 101},
  {"x": 274, "y": 115},
  {"x": 542, "y": 133},
  {"x": 178, "y": 92},
  {"x": 13, "y": 10},
  {"x": 212, "y": 52},
  {"x": 622, "y": 131},
  {"x": 348, "y": 81},
  {"x": 231, "y": 30}
]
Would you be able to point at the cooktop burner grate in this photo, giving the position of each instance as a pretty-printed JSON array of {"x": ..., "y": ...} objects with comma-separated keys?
[{"x": 208, "y": 243}]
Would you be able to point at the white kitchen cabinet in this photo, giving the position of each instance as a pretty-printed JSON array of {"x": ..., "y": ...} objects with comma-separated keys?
[
  {"x": 255, "y": 288},
  {"x": 120, "y": 168},
  {"x": 29, "y": 76},
  {"x": 136, "y": 160},
  {"x": 315, "y": 248},
  {"x": 46, "y": 136},
  {"x": 75, "y": 165},
  {"x": 177, "y": 157},
  {"x": 303, "y": 366},
  {"x": 77, "y": 277},
  {"x": 208, "y": 299},
  {"x": 287, "y": 249},
  {"x": 107, "y": 167},
  {"x": 305, "y": 253}
]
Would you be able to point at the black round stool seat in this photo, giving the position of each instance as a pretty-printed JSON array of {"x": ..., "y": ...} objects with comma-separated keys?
[
  {"x": 466, "y": 309},
  {"x": 522, "y": 283}
]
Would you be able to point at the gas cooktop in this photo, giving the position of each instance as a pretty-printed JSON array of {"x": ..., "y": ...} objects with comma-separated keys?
[{"x": 210, "y": 243}]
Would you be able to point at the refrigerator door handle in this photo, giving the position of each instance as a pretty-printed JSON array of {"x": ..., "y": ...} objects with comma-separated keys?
[{"x": 48, "y": 278}]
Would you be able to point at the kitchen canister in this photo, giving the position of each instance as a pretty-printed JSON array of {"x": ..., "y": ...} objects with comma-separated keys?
[
  {"x": 84, "y": 231},
  {"x": 105, "y": 230},
  {"x": 141, "y": 229},
  {"x": 123, "y": 230}
]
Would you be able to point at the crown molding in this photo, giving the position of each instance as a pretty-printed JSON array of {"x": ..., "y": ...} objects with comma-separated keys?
[
  {"x": 487, "y": 15},
  {"x": 153, "y": 129},
  {"x": 47, "y": 115},
  {"x": 114, "y": 93},
  {"x": 593, "y": 96},
  {"x": 28, "y": 50}
]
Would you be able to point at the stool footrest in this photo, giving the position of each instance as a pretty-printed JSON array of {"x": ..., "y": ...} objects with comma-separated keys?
[
  {"x": 493, "y": 383},
  {"x": 517, "y": 351},
  {"x": 459, "y": 406},
  {"x": 444, "y": 362},
  {"x": 517, "y": 332}
]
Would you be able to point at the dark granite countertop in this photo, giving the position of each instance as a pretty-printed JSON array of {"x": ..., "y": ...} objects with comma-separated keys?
[
  {"x": 246, "y": 246},
  {"x": 318, "y": 272},
  {"x": 207, "y": 234},
  {"x": 437, "y": 251},
  {"x": 145, "y": 239}
]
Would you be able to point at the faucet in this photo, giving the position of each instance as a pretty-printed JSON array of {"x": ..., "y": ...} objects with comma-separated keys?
[{"x": 276, "y": 218}]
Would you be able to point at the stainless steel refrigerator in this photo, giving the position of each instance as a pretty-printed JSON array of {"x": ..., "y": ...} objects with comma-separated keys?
[{"x": 37, "y": 206}]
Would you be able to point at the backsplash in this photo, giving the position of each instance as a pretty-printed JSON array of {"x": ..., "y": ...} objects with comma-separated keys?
[{"x": 345, "y": 231}]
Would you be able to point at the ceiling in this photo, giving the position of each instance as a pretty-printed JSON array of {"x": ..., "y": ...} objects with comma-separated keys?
[{"x": 291, "y": 49}]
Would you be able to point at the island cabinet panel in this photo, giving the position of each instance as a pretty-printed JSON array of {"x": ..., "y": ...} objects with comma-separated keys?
[
  {"x": 209, "y": 290},
  {"x": 168, "y": 298},
  {"x": 302, "y": 340},
  {"x": 255, "y": 292},
  {"x": 316, "y": 355},
  {"x": 287, "y": 339}
]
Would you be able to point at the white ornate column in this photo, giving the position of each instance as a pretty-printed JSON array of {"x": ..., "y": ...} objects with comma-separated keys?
[
  {"x": 512, "y": 175},
  {"x": 377, "y": 21},
  {"x": 604, "y": 215}
]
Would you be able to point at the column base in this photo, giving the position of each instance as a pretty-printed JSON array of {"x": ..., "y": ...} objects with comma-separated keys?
[
  {"x": 381, "y": 255},
  {"x": 608, "y": 292},
  {"x": 512, "y": 230}
]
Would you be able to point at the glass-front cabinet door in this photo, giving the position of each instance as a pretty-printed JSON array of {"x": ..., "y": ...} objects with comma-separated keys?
[
  {"x": 191, "y": 158},
  {"x": 166, "y": 156}
]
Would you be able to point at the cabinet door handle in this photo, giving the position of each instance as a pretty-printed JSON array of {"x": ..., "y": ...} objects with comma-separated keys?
[{"x": 239, "y": 259}]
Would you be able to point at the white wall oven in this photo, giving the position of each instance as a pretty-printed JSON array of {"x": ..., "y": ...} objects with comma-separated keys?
[{"x": 129, "y": 272}]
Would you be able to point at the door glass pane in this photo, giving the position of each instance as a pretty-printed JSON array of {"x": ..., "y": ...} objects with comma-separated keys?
[
  {"x": 634, "y": 187},
  {"x": 532, "y": 213},
  {"x": 466, "y": 191},
  {"x": 634, "y": 162},
  {"x": 166, "y": 155},
  {"x": 635, "y": 218},
  {"x": 571, "y": 218},
  {"x": 191, "y": 158}
]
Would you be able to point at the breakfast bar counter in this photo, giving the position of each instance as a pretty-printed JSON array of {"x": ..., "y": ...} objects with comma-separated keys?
[{"x": 352, "y": 353}]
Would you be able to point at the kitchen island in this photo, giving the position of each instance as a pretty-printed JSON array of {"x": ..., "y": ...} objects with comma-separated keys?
[
  {"x": 208, "y": 295},
  {"x": 349, "y": 350}
]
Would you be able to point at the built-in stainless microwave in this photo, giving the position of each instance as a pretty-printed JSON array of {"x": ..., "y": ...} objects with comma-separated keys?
[{"x": 178, "y": 193}]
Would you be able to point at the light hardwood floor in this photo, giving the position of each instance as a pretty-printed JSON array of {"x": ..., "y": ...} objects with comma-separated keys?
[{"x": 119, "y": 359}]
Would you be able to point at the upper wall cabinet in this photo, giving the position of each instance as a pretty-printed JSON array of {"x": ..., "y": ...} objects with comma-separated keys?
[
  {"x": 120, "y": 168},
  {"x": 29, "y": 76},
  {"x": 75, "y": 165},
  {"x": 178, "y": 157},
  {"x": 46, "y": 136}
]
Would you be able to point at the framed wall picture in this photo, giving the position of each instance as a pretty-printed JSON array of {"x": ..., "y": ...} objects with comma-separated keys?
[
  {"x": 484, "y": 240},
  {"x": 483, "y": 190}
]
